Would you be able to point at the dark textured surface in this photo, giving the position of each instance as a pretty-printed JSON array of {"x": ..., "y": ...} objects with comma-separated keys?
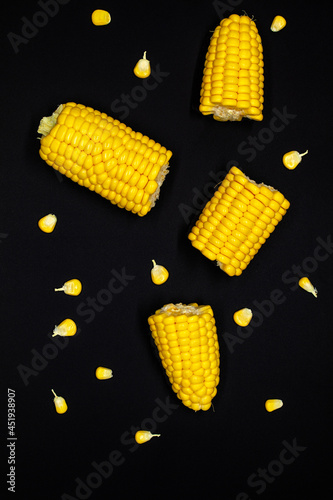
[{"x": 236, "y": 451}]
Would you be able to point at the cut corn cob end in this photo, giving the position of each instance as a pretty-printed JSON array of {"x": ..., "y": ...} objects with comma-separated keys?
[
  {"x": 100, "y": 17},
  {"x": 105, "y": 156},
  {"x": 237, "y": 221},
  {"x": 103, "y": 373},
  {"x": 243, "y": 316},
  {"x": 144, "y": 436},
  {"x": 142, "y": 67},
  {"x": 292, "y": 159},
  {"x": 67, "y": 328},
  {"x": 278, "y": 23},
  {"x": 306, "y": 284},
  {"x": 71, "y": 287},
  {"x": 233, "y": 78},
  {"x": 59, "y": 403},
  {"x": 186, "y": 339},
  {"x": 273, "y": 404},
  {"x": 159, "y": 274},
  {"x": 47, "y": 223}
]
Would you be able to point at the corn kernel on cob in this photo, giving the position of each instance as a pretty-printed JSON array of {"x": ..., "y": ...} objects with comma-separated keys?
[
  {"x": 186, "y": 338},
  {"x": 105, "y": 156},
  {"x": 237, "y": 221},
  {"x": 233, "y": 79}
]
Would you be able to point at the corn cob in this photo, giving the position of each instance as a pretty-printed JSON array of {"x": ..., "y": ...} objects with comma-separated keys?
[
  {"x": 186, "y": 338},
  {"x": 233, "y": 78},
  {"x": 104, "y": 155},
  {"x": 237, "y": 221}
]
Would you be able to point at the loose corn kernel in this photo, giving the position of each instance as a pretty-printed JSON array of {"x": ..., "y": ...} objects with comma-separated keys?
[
  {"x": 159, "y": 274},
  {"x": 292, "y": 159},
  {"x": 47, "y": 223},
  {"x": 241, "y": 227},
  {"x": 142, "y": 67},
  {"x": 187, "y": 343},
  {"x": 306, "y": 284},
  {"x": 144, "y": 436},
  {"x": 104, "y": 155},
  {"x": 243, "y": 316},
  {"x": 67, "y": 328},
  {"x": 278, "y": 23},
  {"x": 100, "y": 17},
  {"x": 71, "y": 287},
  {"x": 59, "y": 403},
  {"x": 233, "y": 77},
  {"x": 273, "y": 404},
  {"x": 103, "y": 373}
]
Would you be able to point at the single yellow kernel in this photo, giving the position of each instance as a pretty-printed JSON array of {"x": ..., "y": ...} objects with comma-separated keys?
[
  {"x": 67, "y": 328},
  {"x": 71, "y": 287},
  {"x": 159, "y": 274},
  {"x": 144, "y": 436},
  {"x": 306, "y": 284},
  {"x": 273, "y": 404},
  {"x": 292, "y": 159},
  {"x": 47, "y": 223},
  {"x": 142, "y": 67},
  {"x": 100, "y": 17},
  {"x": 103, "y": 373},
  {"x": 278, "y": 23},
  {"x": 59, "y": 403},
  {"x": 243, "y": 316}
]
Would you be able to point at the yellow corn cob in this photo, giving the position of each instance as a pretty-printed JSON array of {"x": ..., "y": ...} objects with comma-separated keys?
[
  {"x": 186, "y": 338},
  {"x": 273, "y": 404},
  {"x": 237, "y": 221},
  {"x": 105, "y": 156},
  {"x": 233, "y": 78}
]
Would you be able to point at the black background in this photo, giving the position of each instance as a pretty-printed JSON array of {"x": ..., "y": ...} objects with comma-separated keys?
[{"x": 288, "y": 353}]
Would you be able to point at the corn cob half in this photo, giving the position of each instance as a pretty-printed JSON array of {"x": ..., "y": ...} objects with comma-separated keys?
[
  {"x": 233, "y": 78},
  {"x": 237, "y": 221},
  {"x": 104, "y": 155},
  {"x": 187, "y": 342}
]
